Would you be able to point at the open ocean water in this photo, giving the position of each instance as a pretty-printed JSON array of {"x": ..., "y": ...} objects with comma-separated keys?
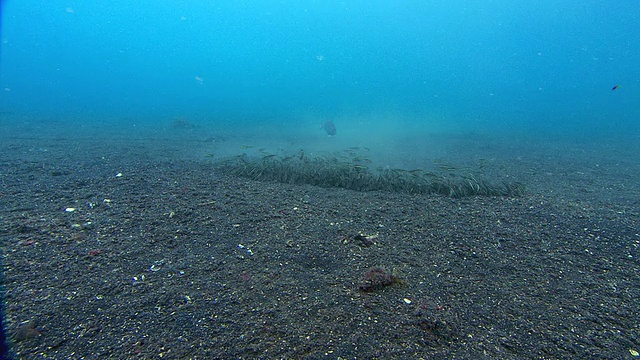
[{"x": 464, "y": 149}]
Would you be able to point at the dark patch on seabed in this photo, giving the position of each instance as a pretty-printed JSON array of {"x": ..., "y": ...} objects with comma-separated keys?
[
  {"x": 334, "y": 172},
  {"x": 130, "y": 254}
]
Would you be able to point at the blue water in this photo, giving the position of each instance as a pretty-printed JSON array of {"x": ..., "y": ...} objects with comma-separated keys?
[{"x": 487, "y": 66}]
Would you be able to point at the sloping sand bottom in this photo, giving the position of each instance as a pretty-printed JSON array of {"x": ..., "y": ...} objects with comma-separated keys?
[{"x": 140, "y": 249}]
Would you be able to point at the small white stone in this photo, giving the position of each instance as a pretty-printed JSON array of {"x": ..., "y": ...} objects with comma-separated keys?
[
  {"x": 70, "y": 209},
  {"x": 407, "y": 301},
  {"x": 119, "y": 175}
]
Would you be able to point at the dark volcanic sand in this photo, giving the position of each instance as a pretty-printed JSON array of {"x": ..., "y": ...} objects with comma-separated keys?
[{"x": 173, "y": 260}]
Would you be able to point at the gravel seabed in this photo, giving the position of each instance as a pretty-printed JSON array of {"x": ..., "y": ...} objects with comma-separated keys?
[{"x": 140, "y": 249}]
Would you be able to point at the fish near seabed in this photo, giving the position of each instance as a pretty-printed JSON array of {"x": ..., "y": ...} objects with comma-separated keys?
[{"x": 329, "y": 128}]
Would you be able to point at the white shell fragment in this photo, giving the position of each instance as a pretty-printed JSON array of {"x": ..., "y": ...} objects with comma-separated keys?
[
  {"x": 240, "y": 246},
  {"x": 154, "y": 268}
]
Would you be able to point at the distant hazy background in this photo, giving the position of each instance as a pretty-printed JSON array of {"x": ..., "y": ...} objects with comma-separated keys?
[{"x": 372, "y": 67}]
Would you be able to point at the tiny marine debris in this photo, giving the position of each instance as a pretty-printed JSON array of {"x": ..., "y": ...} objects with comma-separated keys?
[{"x": 365, "y": 240}]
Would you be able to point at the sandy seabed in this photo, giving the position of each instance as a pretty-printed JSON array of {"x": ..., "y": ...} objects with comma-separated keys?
[{"x": 141, "y": 249}]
